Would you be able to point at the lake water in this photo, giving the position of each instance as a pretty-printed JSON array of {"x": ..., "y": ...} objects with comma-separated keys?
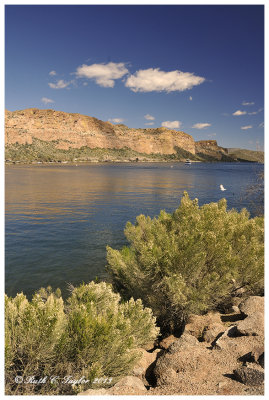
[{"x": 59, "y": 218}]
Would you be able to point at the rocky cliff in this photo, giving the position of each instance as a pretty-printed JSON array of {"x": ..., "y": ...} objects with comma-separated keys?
[
  {"x": 68, "y": 130},
  {"x": 210, "y": 149},
  {"x": 48, "y": 135}
]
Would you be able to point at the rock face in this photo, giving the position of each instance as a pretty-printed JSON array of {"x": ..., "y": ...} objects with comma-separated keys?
[
  {"x": 76, "y": 130},
  {"x": 211, "y": 149}
]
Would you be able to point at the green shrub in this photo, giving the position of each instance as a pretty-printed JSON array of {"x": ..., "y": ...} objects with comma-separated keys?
[
  {"x": 189, "y": 261},
  {"x": 32, "y": 331},
  {"x": 102, "y": 333},
  {"x": 94, "y": 336}
]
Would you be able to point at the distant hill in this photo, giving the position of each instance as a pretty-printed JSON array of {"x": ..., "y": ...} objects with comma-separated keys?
[
  {"x": 35, "y": 135},
  {"x": 246, "y": 155}
]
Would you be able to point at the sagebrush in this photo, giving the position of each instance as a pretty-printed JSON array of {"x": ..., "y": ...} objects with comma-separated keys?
[
  {"x": 93, "y": 335},
  {"x": 189, "y": 261}
]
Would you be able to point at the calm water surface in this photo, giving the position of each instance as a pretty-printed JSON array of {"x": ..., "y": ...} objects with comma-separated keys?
[{"x": 59, "y": 218}]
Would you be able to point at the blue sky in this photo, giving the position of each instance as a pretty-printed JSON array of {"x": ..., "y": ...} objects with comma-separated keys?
[{"x": 199, "y": 69}]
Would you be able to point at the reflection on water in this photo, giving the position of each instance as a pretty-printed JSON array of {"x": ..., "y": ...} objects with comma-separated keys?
[{"x": 60, "y": 218}]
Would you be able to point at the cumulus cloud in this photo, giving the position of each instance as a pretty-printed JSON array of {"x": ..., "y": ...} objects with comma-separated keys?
[
  {"x": 152, "y": 79},
  {"x": 248, "y": 103},
  {"x": 61, "y": 84},
  {"x": 246, "y": 127},
  {"x": 103, "y": 74},
  {"x": 116, "y": 120},
  {"x": 149, "y": 123},
  {"x": 149, "y": 117},
  {"x": 52, "y": 73},
  {"x": 45, "y": 100},
  {"x": 239, "y": 112},
  {"x": 201, "y": 125},
  {"x": 171, "y": 124}
]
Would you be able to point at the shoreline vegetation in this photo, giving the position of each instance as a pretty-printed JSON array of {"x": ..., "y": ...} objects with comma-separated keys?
[
  {"x": 41, "y": 152},
  {"x": 196, "y": 261}
]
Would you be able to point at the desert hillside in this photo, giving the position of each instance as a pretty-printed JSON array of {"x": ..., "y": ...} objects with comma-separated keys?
[{"x": 48, "y": 135}]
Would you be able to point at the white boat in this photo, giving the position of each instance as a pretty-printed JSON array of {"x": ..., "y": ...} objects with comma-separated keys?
[{"x": 188, "y": 161}]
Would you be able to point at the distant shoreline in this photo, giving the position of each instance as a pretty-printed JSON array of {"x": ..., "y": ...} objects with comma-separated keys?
[{"x": 75, "y": 163}]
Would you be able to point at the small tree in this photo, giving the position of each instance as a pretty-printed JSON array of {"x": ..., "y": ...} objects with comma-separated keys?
[{"x": 188, "y": 261}]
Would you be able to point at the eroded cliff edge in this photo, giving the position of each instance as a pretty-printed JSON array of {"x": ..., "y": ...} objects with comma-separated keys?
[{"x": 49, "y": 135}]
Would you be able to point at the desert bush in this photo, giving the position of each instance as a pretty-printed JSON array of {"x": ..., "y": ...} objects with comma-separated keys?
[
  {"x": 189, "y": 261},
  {"x": 32, "y": 331},
  {"x": 102, "y": 333},
  {"x": 94, "y": 335}
]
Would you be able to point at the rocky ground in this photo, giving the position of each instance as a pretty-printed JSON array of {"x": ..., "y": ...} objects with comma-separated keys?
[{"x": 218, "y": 354}]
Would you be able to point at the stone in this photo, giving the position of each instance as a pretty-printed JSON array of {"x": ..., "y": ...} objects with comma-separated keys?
[
  {"x": 185, "y": 358},
  {"x": 252, "y": 305},
  {"x": 212, "y": 331},
  {"x": 257, "y": 355},
  {"x": 222, "y": 341},
  {"x": 144, "y": 363},
  {"x": 165, "y": 343},
  {"x": 249, "y": 376},
  {"x": 235, "y": 309},
  {"x": 94, "y": 392},
  {"x": 128, "y": 384},
  {"x": 197, "y": 323},
  {"x": 253, "y": 325}
]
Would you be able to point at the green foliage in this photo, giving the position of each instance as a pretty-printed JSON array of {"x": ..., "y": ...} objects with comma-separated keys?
[
  {"x": 189, "y": 261},
  {"x": 32, "y": 330},
  {"x": 44, "y": 151},
  {"x": 94, "y": 336}
]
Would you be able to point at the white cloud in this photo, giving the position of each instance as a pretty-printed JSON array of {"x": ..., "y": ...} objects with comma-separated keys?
[
  {"x": 103, "y": 74},
  {"x": 149, "y": 117},
  {"x": 45, "y": 100},
  {"x": 210, "y": 135},
  {"x": 201, "y": 125},
  {"x": 239, "y": 112},
  {"x": 149, "y": 123},
  {"x": 152, "y": 79},
  {"x": 52, "y": 73},
  {"x": 255, "y": 112},
  {"x": 116, "y": 120},
  {"x": 171, "y": 124},
  {"x": 248, "y": 103},
  {"x": 246, "y": 127},
  {"x": 61, "y": 84},
  {"x": 190, "y": 98}
]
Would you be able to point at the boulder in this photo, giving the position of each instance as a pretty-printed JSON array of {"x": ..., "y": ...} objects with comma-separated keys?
[
  {"x": 131, "y": 381},
  {"x": 212, "y": 331},
  {"x": 249, "y": 376},
  {"x": 253, "y": 325},
  {"x": 197, "y": 323},
  {"x": 183, "y": 358},
  {"x": 256, "y": 356},
  {"x": 128, "y": 385},
  {"x": 165, "y": 343},
  {"x": 143, "y": 364},
  {"x": 223, "y": 340},
  {"x": 252, "y": 305}
]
